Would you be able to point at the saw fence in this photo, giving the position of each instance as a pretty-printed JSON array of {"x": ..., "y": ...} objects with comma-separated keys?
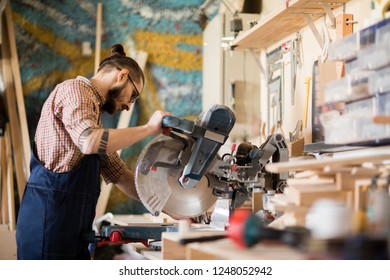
[{"x": 15, "y": 148}]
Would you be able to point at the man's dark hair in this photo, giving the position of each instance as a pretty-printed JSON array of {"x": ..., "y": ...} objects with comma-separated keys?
[{"x": 118, "y": 59}]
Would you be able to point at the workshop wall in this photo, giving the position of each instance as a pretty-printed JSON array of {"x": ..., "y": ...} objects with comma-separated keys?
[
  {"x": 49, "y": 38},
  {"x": 310, "y": 52}
]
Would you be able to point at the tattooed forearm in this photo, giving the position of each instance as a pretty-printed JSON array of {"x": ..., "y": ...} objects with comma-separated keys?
[
  {"x": 103, "y": 142},
  {"x": 94, "y": 141}
]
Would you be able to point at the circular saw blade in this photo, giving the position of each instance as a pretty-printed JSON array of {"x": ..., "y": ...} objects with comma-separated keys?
[{"x": 160, "y": 190}]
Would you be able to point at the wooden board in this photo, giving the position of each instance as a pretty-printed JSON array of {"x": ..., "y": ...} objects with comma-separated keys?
[
  {"x": 152, "y": 254},
  {"x": 310, "y": 181},
  {"x": 312, "y": 174},
  {"x": 282, "y": 22},
  {"x": 99, "y": 14},
  {"x": 257, "y": 201},
  {"x": 306, "y": 196},
  {"x": 10, "y": 182},
  {"x": 381, "y": 119},
  {"x": 17, "y": 81},
  {"x": 143, "y": 251},
  {"x": 3, "y": 182},
  {"x": 294, "y": 218},
  {"x": 352, "y": 160},
  {"x": 173, "y": 250},
  {"x": 12, "y": 109},
  {"x": 7, "y": 244},
  {"x": 7, "y": 182},
  {"x": 225, "y": 249}
]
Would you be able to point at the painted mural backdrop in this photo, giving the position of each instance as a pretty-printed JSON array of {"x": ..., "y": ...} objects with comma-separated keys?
[{"x": 49, "y": 35}]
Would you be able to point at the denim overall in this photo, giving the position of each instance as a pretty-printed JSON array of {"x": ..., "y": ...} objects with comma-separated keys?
[{"x": 57, "y": 211}]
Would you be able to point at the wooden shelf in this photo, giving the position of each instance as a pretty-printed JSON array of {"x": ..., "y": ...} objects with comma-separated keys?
[
  {"x": 337, "y": 162},
  {"x": 283, "y": 22}
]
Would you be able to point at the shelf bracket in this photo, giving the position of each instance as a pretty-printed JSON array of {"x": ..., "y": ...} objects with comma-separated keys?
[
  {"x": 327, "y": 8},
  {"x": 261, "y": 67},
  {"x": 309, "y": 21},
  {"x": 330, "y": 14},
  {"x": 313, "y": 28}
]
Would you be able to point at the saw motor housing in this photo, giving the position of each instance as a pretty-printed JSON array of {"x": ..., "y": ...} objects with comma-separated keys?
[
  {"x": 209, "y": 133},
  {"x": 244, "y": 172}
]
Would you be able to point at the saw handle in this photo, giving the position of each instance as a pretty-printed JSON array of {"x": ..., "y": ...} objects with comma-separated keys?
[{"x": 177, "y": 124}]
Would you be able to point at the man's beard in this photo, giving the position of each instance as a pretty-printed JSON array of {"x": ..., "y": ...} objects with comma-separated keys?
[{"x": 110, "y": 105}]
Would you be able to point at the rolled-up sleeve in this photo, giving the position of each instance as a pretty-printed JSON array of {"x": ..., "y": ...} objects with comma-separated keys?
[
  {"x": 113, "y": 167},
  {"x": 80, "y": 111}
]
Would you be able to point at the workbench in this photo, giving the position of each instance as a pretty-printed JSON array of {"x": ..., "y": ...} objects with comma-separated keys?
[{"x": 224, "y": 249}]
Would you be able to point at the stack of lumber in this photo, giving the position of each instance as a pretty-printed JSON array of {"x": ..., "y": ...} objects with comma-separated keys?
[
  {"x": 343, "y": 179},
  {"x": 7, "y": 203},
  {"x": 15, "y": 149}
]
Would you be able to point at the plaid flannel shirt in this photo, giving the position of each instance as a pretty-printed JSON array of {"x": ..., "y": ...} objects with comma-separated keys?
[{"x": 71, "y": 108}]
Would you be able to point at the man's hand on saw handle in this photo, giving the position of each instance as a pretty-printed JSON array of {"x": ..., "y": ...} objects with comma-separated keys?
[{"x": 156, "y": 120}]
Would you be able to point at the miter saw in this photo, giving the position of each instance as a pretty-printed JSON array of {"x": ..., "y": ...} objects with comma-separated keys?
[{"x": 181, "y": 173}]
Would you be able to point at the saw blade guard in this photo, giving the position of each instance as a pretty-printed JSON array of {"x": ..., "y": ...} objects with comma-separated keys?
[
  {"x": 157, "y": 182},
  {"x": 171, "y": 170}
]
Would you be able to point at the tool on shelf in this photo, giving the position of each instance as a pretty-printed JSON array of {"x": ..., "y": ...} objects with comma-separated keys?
[
  {"x": 307, "y": 83},
  {"x": 297, "y": 133},
  {"x": 296, "y": 61}
]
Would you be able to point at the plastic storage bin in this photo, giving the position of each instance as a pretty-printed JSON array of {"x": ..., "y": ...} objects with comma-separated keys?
[
  {"x": 383, "y": 104},
  {"x": 344, "y": 49},
  {"x": 336, "y": 90},
  {"x": 379, "y": 82},
  {"x": 351, "y": 87},
  {"x": 375, "y": 57}
]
